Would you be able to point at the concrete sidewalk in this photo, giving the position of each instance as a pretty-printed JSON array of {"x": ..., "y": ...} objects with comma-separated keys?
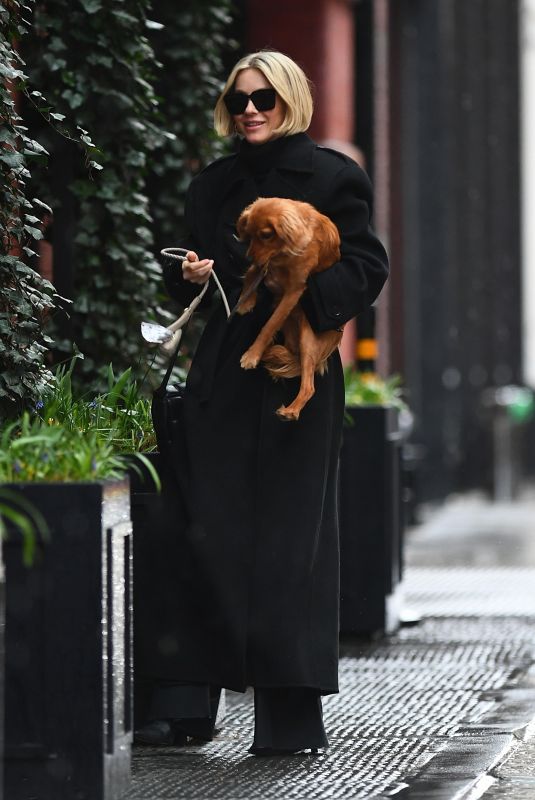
[{"x": 443, "y": 709}]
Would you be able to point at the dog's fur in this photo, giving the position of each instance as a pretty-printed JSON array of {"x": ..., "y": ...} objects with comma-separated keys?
[{"x": 289, "y": 240}]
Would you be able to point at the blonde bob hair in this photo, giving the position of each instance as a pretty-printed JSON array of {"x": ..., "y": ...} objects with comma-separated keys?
[{"x": 288, "y": 80}]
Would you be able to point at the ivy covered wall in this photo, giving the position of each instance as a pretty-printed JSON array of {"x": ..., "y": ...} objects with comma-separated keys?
[
  {"x": 25, "y": 298},
  {"x": 95, "y": 65},
  {"x": 191, "y": 48},
  {"x": 140, "y": 79}
]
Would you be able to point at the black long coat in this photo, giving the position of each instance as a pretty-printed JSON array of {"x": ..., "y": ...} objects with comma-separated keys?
[{"x": 262, "y": 565}]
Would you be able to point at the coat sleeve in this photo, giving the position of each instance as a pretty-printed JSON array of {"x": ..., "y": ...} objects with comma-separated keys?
[
  {"x": 351, "y": 285},
  {"x": 177, "y": 287}
]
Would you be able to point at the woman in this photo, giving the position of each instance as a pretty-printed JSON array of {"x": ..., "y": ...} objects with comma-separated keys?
[{"x": 263, "y": 537}]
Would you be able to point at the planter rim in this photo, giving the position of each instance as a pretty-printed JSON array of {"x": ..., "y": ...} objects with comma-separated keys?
[{"x": 100, "y": 482}]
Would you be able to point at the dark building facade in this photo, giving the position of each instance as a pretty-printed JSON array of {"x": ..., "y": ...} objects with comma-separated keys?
[
  {"x": 430, "y": 92},
  {"x": 456, "y": 321}
]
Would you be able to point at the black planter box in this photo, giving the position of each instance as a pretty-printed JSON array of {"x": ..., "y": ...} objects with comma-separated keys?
[
  {"x": 68, "y": 712},
  {"x": 370, "y": 521}
]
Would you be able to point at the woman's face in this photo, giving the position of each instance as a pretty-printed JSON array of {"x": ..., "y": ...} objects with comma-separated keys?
[{"x": 255, "y": 126}]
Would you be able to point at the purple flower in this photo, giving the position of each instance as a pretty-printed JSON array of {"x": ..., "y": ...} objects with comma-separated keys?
[
  {"x": 39, "y": 405},
  {"x": 93, "y": 404},
  {"x": 17, "y": 466}
]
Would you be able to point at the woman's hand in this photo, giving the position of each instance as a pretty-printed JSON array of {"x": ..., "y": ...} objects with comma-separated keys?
[{"x": 194, "y": 270}]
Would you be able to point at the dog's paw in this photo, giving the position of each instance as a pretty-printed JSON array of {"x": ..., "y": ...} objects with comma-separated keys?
[
  {"x": 247, "y": 305},
  {"x": 249, "y": 360},
  {"x": 287, "y": 414}
]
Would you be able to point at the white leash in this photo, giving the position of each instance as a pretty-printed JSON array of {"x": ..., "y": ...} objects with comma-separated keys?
[{"x": 168, "y": 338}]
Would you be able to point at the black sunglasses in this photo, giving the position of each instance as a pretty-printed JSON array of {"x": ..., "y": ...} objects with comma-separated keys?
[{"x": 263, "y": 100}]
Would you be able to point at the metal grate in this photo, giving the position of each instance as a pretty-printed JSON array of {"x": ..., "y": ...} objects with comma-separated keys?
[
  {"x": 353, "y": 768},
  {"x": 410, "y": 700},
  {"x": 400, "y": 702}
]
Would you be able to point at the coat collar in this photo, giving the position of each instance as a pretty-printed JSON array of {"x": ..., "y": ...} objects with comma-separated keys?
[{"x": 297, "y": 155}]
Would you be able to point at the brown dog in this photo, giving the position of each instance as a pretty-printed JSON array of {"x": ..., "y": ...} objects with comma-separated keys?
[{"x": 289, "y": 241}]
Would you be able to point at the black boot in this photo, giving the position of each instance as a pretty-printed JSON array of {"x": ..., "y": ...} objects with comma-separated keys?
[
  {"x": 160, "y": 732},
  {"x": 288, "y": 721}
]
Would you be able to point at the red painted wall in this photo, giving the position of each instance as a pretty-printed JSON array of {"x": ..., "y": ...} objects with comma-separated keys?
[{"x": 318, "y": 34}]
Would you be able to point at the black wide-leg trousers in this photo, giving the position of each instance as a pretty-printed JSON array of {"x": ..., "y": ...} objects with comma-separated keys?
[
  {"x": 285, "y": 718},
  {"x": 288, "y": 719}
]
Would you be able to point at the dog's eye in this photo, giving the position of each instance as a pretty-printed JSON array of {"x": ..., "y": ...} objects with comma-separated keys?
[{"x": 268, "y": 234}]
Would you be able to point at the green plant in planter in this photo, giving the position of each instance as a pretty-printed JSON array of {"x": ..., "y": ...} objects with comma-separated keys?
[
  {"x": 69, "y": 440},
  {"x": 32, "y": 450},
  {"x": 121, "y": 415},
  {"x": 364, "y": 388}
]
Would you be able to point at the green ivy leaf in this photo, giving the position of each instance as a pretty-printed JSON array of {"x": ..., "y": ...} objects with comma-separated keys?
[
  {"x": 35, "y": 233},
  {"x": 37, "y": 202},
  {"x": 91, "y": 6}
]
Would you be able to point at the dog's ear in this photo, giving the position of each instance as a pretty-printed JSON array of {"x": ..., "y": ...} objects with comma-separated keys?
[
  {"x": 294, "y": 228},
  {"x": 241, "y": 225},
  {"x": 329, "y": 239}
]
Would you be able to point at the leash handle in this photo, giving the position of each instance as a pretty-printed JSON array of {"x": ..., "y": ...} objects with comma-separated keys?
[{"x": 179, "y": 253}]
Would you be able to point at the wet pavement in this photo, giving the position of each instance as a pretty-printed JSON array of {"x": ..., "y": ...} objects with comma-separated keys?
[{"x": 444, "y": 709}]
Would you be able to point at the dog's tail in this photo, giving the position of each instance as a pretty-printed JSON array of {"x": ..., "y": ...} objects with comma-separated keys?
[{"x": 280, "y": 362}]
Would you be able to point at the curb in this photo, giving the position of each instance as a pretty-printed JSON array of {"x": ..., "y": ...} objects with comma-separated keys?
[{"x": 462, "y": 769}]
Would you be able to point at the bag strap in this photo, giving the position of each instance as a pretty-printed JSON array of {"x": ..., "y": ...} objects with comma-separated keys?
[
  {"x": 184, "y": 319},
  {"x": 163, "y": 385}
]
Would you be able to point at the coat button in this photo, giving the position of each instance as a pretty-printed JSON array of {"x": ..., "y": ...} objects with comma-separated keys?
[{"x": 337, "y": 312}]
